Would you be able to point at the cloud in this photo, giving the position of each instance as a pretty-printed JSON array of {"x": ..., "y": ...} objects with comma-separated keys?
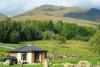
[{"x": 13, "y": 7}]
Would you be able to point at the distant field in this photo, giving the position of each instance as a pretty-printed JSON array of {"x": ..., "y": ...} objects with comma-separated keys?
[{"x": 70, "y": 47}]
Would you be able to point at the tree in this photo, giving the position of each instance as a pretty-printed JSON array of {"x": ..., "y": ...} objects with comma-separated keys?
[
  {"x": 7, "y": 24},
  {"x": 61, "y": 38},
  {"x": 36, "y": 30},
  {"x": 48, "y": 35},
  {"x": 14, "y": 37},
  {"x": 1, "y": 30},
  {"x": 58, "y": 27},
  {"x": 50, "y": 26},
  {"x": 95, "y": 42}
]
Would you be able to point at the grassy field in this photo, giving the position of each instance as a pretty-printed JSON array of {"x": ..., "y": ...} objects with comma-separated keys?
[
  {"x": 4, "y": 49},
  {"x": 19, "y": 65},
  {"x": 30, "y": 65},
  {"x": 73, "y": 46},
  {"x": 70, "y": 47}
]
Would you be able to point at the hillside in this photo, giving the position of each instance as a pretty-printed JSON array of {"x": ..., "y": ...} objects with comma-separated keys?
[
  {"x": 47, "y": 33},
  {"x": 73, "y": 47},
  {"x": 2, "y": 16},
  {"x": 81, "y": 46},
  {"x": 49, "y": 12},
  {"x": 93, "y": 15}
]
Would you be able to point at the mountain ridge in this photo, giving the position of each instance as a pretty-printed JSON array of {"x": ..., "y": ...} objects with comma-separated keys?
[
  {"x": 61, "y": 11},
  {"x": 2, "y": 16},
  {"x": 55, "y": 13},
  {"x": 51, "y": 10},
  {"x": 92, "y": 14}
]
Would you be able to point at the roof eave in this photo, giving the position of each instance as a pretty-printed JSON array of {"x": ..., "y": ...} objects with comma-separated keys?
[{"x": 25, "y": 51}]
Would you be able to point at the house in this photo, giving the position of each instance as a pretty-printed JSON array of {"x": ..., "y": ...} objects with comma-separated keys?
[{"x": 29, "y": 54}]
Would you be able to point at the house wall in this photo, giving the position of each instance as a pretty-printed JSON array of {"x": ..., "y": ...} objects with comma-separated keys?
[
  {"x": 40, "y": 57},
  {"x": 29, "y": 57},
  {"x": 43, "y": 55},
  {"x": 19, "y": 57},
  {"x": 32, "y": 57},
  {"x": 13, "y": 54}
]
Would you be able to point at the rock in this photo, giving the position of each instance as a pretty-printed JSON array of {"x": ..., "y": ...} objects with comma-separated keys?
[
  {"x": 84, "y": 64},
  {"x": 69, "y": 65},
  {"x": 73, "y": 65},
  {"x": 7, "y": 62}
]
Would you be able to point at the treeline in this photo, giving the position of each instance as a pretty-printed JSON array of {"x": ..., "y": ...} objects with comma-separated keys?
[{"x": 16, "y": 31}]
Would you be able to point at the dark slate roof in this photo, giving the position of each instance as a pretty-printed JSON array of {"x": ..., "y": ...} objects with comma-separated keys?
[{"x": 28, "y": 48}]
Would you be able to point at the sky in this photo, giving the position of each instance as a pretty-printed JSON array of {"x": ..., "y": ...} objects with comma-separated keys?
[{"x": 14, "y": 7}]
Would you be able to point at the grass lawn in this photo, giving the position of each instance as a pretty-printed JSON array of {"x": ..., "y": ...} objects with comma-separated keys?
[
  {"x": 31, "y": 65},
  {"x": 70, "y": 47},
  {"x": 18, "y": 65},
  {"x": 93, "y": 60},
  {"x": 4, "y": 49}
]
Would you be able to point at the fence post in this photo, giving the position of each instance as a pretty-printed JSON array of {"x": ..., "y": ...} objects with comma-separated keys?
[{"x": 22, "y": 65}]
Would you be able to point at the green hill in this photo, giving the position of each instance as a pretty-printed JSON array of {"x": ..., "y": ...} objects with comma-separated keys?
[
  {"x": 49, "y": 12},
  {"x": 93, "y": 15}
]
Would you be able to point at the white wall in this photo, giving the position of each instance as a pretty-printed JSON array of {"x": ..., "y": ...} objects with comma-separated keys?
[
  {"x": 40, "y": 57},
  {"x": 29, "y": 57},
  {"x": 19, "y": 57}
]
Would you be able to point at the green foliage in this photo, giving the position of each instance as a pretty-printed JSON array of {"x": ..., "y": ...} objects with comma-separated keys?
[
  {"x": 99, "y": 26},
  {"x": 58, "y": 27},
  {"x": 48, "y": 35},
  {"x": 5, "y": 28},
  {"x": 95, "y": 42},
  {"x": 50, "y": 26},
  {"x": 62, "y": 39},
  {"x": 14, "y": 37},
  {"x": 73, "y": 31},
  {"x": 36, "y": 30}
]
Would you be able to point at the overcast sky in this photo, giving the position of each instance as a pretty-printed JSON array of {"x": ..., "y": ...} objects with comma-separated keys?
[{"x": 13, "y": 7}]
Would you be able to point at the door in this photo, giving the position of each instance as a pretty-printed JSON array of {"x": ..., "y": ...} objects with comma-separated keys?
[{"x": 36, "y": 57}]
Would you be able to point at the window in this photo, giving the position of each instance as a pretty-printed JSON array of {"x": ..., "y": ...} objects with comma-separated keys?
[{"x": 23, "y": 56}]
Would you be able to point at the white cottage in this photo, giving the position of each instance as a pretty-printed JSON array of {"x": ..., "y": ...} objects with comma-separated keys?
[{"x": 29, "y": 54}]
